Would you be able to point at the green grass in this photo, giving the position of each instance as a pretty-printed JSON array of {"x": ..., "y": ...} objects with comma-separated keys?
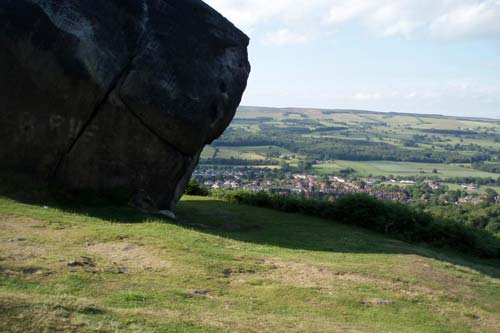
[
  {"x": 208, "y": 152},
  {"x": 228, "y": 153},
  {"x": 482, "y": 189},
  {"x": 279, "y": 273},
  {"x": 248, "y": 152},
  {"x": 263, "y": 149},
  {"x": 386, "y": 168}
]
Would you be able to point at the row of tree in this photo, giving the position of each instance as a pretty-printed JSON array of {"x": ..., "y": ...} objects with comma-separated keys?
[{"x": 327, "y": 148}]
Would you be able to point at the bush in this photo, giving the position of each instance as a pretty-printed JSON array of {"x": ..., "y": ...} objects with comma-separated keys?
[
  {"x": 195, "y": 188},
  {"x": 390, "y": 218}
]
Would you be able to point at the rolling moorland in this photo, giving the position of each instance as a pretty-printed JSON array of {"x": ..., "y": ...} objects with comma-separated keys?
[{"x": 371, "y": 143}]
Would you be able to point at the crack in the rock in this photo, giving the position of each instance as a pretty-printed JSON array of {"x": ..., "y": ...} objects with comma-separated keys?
[
  {"x": 95, "y": 112},
  {"x": 187, "y": 160},
  {"x": 118, "y": 80},
  {"x": 152, "y": 131}
]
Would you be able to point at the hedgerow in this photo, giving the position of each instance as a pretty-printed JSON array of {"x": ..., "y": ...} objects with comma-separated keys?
[{"x": 391, "y": 218}]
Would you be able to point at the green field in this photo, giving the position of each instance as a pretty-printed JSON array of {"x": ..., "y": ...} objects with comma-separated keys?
[
  {"x": 249, "y": 153},
  {"x": 386, "y": 168},
  {"x": 482, "y": 189},
  {"x": 431, "y": 142},
  {"x": 208, "y": 152},
  {"x": 355, "y": 117},
  {"x": 228, "y": 153},
  {"x": 262, "y": 149},
  {"x": 111, "y": 269}
]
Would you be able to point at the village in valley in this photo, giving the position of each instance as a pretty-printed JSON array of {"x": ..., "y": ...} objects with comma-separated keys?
[{"x": 330, "y": 187}]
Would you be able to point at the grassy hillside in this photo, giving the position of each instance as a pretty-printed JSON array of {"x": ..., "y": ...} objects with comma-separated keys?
[
  {"x": 225, "y": 268},
  {"x": 386, "y": 168},
  {"x": 375, "y": 143}
]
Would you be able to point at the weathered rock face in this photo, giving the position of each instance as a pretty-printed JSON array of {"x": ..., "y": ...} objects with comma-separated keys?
[{"x": 117, "y": 93}]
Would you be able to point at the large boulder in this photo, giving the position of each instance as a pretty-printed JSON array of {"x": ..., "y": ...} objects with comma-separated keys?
[{"x": 114, "y": 94}]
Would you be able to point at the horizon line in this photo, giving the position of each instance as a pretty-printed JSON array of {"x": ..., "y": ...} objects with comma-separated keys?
[{"x": 429, "y": 115}]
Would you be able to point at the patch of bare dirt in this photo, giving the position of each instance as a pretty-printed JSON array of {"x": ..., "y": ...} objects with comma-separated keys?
[
  {"x": 23, "y": 253},
  {"x": 314, "y": 276},
  {"x": 377, "y": 301},
  {"x": 488, "y": 321},
  {"x": 20, "y": 224},
  {"x": 129, "y": 257},
  {"x": 26, "y": 271},
  {"x": 22, "y": 228},
  {"x": 439, "y": 280},
  {"x": 16, "y": 235}
]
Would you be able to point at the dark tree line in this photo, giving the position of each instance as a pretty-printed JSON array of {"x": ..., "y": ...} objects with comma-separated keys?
[{"x": 344, "y": 149}]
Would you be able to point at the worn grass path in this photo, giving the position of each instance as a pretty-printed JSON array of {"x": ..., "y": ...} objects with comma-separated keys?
[{"x": 111, "y": 269}]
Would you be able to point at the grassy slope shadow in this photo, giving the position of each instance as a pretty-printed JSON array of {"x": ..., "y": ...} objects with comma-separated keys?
[
  {"x": 295, "y": 231},
  {"x": 246, "y": 224}
]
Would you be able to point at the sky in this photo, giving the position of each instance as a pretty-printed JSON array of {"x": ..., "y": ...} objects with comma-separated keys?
[{"x": 419, "y": 56}]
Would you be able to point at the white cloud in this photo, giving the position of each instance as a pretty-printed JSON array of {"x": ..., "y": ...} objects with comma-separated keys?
[
  {"x": 479, "y": 19},
  {"x": 367, "y": 96},
  {"x": 344, "y": 11},
  {"x": 434, "y": 92},
  {"x": 248, "y": 13},
  {"x": 387, "y": 17},
  {"x": 423, "y": 95},
  {"x": 285, "y": 37},
  {"x": 437, "y": 18}
]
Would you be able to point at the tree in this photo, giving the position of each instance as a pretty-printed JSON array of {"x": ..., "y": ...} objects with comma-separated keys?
[
  {"x": 195, "y": 188},
  {"x": 284, "y": 166},
  {"x": 490, "y": 195},
  {"x": 304, "y": 165}
]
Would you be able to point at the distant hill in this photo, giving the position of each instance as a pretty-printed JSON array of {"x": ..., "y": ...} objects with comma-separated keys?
[{"x": 354, "y": 111}]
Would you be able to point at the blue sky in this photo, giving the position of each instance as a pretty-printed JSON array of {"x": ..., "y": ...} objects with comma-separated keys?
[{"x": 423, "y": 56}]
